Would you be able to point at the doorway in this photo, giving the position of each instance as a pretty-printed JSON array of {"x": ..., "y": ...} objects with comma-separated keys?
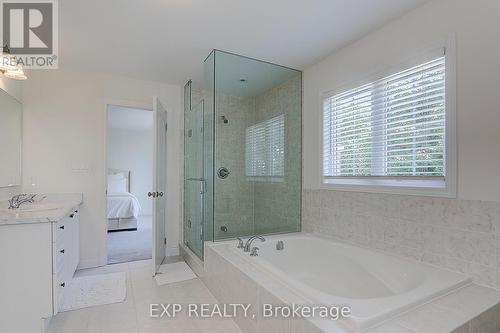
[{"x": 129, "y": 176}]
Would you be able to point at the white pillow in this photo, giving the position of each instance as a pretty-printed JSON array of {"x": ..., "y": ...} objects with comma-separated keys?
[{"x": 117, "y": 184}]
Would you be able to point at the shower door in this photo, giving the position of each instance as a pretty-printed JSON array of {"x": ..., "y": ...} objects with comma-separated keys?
[{"x": 194, "y": 182}]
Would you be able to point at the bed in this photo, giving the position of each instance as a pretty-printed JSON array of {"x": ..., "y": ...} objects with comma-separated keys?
[{"x": 122, "y": 206}]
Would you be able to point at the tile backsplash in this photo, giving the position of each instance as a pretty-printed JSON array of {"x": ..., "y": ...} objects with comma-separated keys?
[{"x": 460, "y": 235}]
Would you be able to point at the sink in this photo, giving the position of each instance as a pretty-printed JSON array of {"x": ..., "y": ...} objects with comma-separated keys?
[{"x": 36, "y": 207}]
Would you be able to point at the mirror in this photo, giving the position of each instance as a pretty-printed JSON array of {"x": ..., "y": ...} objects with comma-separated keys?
[{"x": 10, "y": 140}]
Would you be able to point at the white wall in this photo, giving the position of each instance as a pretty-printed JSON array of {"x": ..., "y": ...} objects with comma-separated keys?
[
  {"x": 64, "y": 141},
  {"x": 133, "y": 150},
  {"x": 13, "y": 88},
  {"x": 476, "y": 25}
]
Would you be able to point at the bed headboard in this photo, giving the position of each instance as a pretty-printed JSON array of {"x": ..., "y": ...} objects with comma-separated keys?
[{"x": 124, "y": 173}]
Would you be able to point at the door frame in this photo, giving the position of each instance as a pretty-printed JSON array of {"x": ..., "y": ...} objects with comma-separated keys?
[{"x": 104, "y": 172}]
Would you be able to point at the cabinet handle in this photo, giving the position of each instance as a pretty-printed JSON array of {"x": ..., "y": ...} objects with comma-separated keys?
[
  {"x": 61, "y": 227},
  {"x": 63, "y": 284},
  {"x": 62, "y": 251},
  {"x": 72, "y": 215}
]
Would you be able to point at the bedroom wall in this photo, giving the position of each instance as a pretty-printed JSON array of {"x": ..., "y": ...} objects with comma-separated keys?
[
  {"x": 64, "y": 126},
  {"x": 133, "y": 150}
]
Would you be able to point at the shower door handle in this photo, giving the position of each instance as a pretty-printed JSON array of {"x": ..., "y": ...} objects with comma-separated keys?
[{"x": 203, "y": 187}]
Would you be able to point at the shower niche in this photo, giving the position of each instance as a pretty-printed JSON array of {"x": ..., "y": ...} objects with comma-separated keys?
[{"x": 242, "y": 150}]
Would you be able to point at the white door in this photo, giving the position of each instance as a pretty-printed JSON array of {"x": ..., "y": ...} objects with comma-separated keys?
[{"x": 158, "y": 193}]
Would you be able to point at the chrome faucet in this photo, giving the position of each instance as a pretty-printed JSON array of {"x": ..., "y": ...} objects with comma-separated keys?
[
  {"x": 16, "y": 201},
  {"x": 248, "y": 244},
  {"x": 240, "y": 243}
]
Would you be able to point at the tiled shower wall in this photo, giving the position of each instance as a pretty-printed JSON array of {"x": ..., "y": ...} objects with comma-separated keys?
[
  {"x": 244, "y": 205},
  {"x": 277, "y": 204},
  {"x": 460, "y": 235},
  {"x": 233, "y": 206}
]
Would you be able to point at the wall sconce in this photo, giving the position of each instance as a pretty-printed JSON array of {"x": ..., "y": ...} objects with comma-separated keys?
[{"x": 8, "y": 66}]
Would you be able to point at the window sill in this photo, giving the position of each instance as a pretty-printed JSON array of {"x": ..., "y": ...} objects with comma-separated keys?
[{"x": 432, "y": 188}]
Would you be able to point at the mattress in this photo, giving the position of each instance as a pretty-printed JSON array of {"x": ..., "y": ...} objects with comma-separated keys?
[{"x": 122, "y": 205}]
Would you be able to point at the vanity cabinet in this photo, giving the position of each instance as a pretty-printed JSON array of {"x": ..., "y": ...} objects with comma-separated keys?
[
  {"x": 38, "y": 258},
  {"x": 65, "y": 254}
]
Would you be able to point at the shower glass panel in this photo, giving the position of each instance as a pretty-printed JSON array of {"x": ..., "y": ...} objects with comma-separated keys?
[
  {"x": 194, "y": 180},
  {"x": 242, "y": 142},
  {"x": 257, "y": 187}
]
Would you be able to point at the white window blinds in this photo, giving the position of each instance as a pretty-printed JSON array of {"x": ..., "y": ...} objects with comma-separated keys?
[
  {"x": 265, "y": 153},
  {"x": 393, "y": 127}
]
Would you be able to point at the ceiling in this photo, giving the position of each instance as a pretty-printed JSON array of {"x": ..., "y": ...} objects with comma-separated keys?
[
  {"x": 120, "y": 117},
  {"x": 167, "y": 40}
]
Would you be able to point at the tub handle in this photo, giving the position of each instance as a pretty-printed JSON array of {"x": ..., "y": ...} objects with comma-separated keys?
[
  {"x": 254, "y": 252},
  {"x": 240, "y": 243}
]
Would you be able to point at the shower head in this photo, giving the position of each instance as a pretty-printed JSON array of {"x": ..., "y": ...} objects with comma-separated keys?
[{"x": 225, "y": 120}]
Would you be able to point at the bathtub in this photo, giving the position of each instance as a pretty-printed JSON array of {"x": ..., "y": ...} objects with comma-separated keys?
[{"x": 375, "y": 285}]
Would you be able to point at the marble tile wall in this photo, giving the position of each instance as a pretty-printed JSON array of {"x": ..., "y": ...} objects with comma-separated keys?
[
  {"x": 245, "y": 205},
  {"x": 460, "y": 235},
  {"x": 277, "y": 204},
  {"x": 233, "y": 205}
]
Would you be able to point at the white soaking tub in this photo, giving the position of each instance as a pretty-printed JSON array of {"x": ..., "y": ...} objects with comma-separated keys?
[{"x": 375, "y": 285}]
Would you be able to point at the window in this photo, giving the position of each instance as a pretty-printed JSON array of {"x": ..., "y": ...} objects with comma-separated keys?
[
  {"x": 390, "y": 132},
  {"x": 264, "y": 153}
]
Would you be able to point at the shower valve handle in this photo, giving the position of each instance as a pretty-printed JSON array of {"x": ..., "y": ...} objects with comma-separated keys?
[{"x": 223, "y": 172}]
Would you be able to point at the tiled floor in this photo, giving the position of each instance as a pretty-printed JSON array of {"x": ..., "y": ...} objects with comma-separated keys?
[
  {"x": 132, "y": 315},
  {"x": 125, "y": 246}
]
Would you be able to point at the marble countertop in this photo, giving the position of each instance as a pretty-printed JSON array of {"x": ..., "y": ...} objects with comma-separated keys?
[{"x": 63, "y": 203}]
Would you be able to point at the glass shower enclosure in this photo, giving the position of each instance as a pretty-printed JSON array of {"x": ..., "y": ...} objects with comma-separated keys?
[{"x": 242, "y": 150}]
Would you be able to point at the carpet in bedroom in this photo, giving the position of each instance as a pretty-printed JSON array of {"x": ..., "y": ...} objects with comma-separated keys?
[{"x": 124, "y": 246}]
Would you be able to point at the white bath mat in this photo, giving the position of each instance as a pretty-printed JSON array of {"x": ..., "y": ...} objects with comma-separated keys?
[
  {"x": 93, "y": 290},
  {"x": 176, "y": 272}
]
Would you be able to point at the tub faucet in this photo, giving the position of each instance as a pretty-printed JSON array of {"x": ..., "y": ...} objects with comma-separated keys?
[
  {"x": 240, "y": 243},
  {"x": 248, "y": 244},
  {"x": 16, "y": 201}
]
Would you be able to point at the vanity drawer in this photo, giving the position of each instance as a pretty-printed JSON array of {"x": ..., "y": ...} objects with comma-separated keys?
[
  {"x": 63, "y": 227},
  {"x": 60, "y": 285},
  {"x": 59, "y": 229},
  {"x": 60, "y": 255}
]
